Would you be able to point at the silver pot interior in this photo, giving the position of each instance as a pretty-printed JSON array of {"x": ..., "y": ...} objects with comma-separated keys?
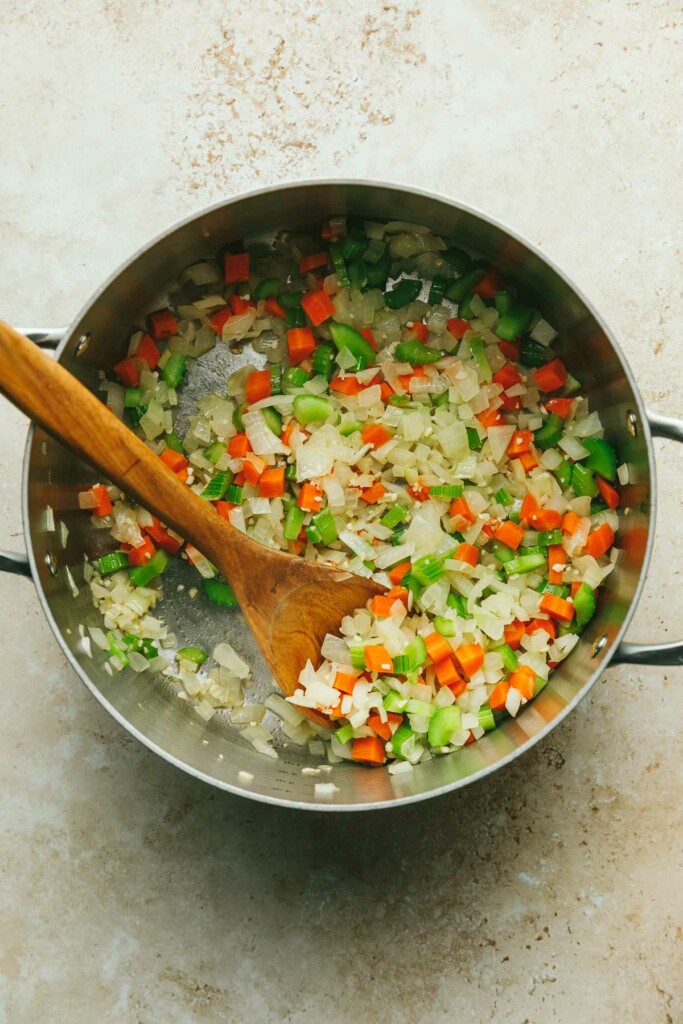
[{"x": 147, "y": 707}]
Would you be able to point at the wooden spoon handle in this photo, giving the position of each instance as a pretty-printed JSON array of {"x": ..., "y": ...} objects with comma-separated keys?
[{"x": 47, "y": 393}]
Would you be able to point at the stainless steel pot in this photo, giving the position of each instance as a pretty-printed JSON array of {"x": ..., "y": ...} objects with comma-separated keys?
[{"x": 213, "y": 752}]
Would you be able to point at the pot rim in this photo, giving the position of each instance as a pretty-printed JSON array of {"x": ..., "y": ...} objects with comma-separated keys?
[{"x": 530, "y": 741}]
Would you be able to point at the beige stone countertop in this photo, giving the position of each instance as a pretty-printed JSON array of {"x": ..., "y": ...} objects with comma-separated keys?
[{"x": 549, "y": 892}]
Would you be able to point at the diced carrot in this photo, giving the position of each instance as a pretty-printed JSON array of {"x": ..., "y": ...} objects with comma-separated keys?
[
  {"x": 224, "y": 508},
  {"x": 446, "y": 672},
  {"x": 272, "y": 483},
  {"x": 551, "y": 376},
  {"x": 253, "y": 468},
  {"x": 557, "y": 556},
  {"x": 508, "y": 403},
  {"x": 574, "y": 587},
  {"x": 219, "y": 319},
  {"x": 236, "y": 267},
  {"x": 312, "y": 262},
  {"x": 458, "y": 685},
  {"x": 162, "y": 325},
  {"x": 258, "y": 385},
  {"x": 159, "y": 533},
  {"x": 375, "y": 435},
  {"x": 399, "y": 594},
  {"x": 286, "y": 435},
  {"x": 419, "y": 331},
  {"x": 547, "y": 624},
  {"x": 406, "y": 379},
  {"x": 174, "y": 460},
  {"x": 513, "y": 633},
  {"x": 275, "y": 309},
  {"x": 510, "y": 349},
  {"x": 520, "y": 442},
  {"x": 560, "y": 406},
  {"x": 385, "y": 391},
  {"x": 600, "y": 541},
  {"x": 528, "y": 461},
  {"x": 490, "y": 418},
  {"x": 141, "y": 554},
  {"x": 510, "y": 534},
  {"x": 530, "y": 507},
  {"x": 336, "y": 711},
  {"x": 419, "y": 491},
  {"x": 127, "y": 373},
  {"x": 438, "y": 647},
  {"x": 461, "y": 508},
  {"x": 369, "y": 749},
  {"x": 345, "y": 682},
  {"x": 610, "y": 495},
  {"x": 490, "y": 283},
  {"x": 239, "y": 305},
  {"x": 470, "y": 657},
  {"x": 238, "y": 446},
  {"x": 384, "y": 729},
  {"x": 240, "y": 480},
  {"x": 381, "y": 605},
  {"x": 104, "y": 505},
  {"x": 457, "y": 327},
  {"x": 300, "y": 344},
  {"x": 524, "y": 680},
  {"x": 369, "y": 337},
  {"x": 318, "y": 306},
  {"x": 490, "y": 527},
  {"x": 507, "y": 376},
  {"x": 183, "y": 475},
  {"x": 371, "y": 495},
  {"x": 148, "y": 351},
  {"x": 310, "y": 498},
  {"x": 467, "y": 553},
  {"x": 545, "y": 519},
  {"x": 346, "y": 385},
  {"x": 377, "y": 658},
  {"x": 399, "y": 571},
  {"x": 498, "y": 695},
  {"x": 556, "y": 607},
  {"x": 570, "y": 521}
]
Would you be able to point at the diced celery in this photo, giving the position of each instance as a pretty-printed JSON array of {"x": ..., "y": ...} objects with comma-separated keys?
[
  {"x": 525, "y": 563},
  {"x": 112, "y": 562},
  {"x": 394, "y": 516},
  {"x": 444, "y": 626},
  {"x": 510, "y": 662},
  {"x": 486, "y": 719},
  {"x": 216, "y": 487},
  {"x": 326, "y": 526},
  {"x": 194, "y": 654},
  {"x": 393, "y": 701},
  {"x": 420, "y": 707},
  {"x": 220, "y": 592},
  {"x": 142, "y": 574},
  {"x": 294, "y": 520},
  {"x": 344, "y": 734},
  {"x": 443, "y": 724},
  {"x": 584, "y": 604},
  {"x": 427, "y": 569}
]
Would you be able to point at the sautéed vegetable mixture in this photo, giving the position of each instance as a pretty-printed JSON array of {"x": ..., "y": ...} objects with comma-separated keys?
[{"x": 411, "y": 422}]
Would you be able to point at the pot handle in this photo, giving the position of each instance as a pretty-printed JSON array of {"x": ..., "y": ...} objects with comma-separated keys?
[
  {"x": 654, "y": 654},
  {"x": 46, "y": 338}
]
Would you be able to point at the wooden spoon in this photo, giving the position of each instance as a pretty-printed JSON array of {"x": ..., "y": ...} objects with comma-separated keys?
[{"x": 290, "y": 604}]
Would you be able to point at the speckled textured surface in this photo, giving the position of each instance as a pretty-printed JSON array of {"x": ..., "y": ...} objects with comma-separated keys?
[{"x": 549, "y": 893}]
